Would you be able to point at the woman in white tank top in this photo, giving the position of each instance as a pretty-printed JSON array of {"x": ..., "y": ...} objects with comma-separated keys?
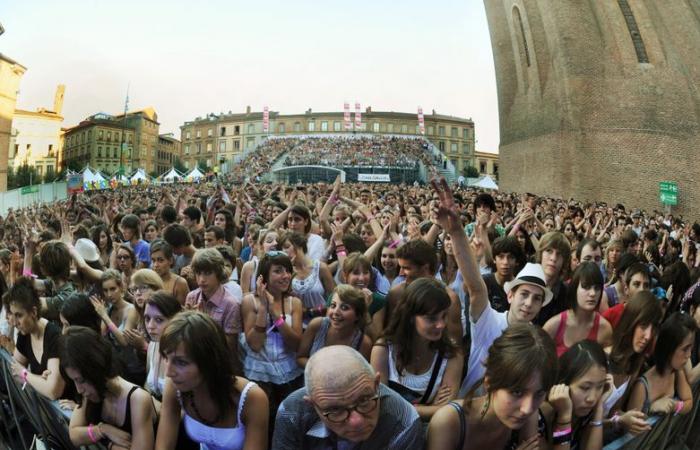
[
  {"x": 265, "y": 241},
  {"x": 219, "y": 410}
]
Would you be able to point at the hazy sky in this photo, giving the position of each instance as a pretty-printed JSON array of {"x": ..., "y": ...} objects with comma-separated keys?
[{"x": 187, "y": 59}]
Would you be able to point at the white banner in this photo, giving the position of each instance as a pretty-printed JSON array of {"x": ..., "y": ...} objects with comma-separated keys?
[
  {"x": 380, "y": 177},
  {"x": 421, "y": 120},
  {"x": 358, "y": 116},
  {"x": 346, "y": 117},
  {"x": 266, "y": 120}
]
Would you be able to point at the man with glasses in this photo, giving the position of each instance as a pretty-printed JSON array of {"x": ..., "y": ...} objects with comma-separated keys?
[{"x": 344, "y": 406}]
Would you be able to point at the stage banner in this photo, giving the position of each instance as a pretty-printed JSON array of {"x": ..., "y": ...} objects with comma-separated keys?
[
  {"x": 358, "y": 116},
  {"x": 374, "y": 177},
  {"x": 421, "y": 120},
  {"x": 74, "y": 183},
  {"x": 266, "y": 120},
  {"x": 346, "y": 117}
]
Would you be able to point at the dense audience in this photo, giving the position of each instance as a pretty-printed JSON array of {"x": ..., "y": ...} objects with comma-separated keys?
[{"x": 245, "y": 315}]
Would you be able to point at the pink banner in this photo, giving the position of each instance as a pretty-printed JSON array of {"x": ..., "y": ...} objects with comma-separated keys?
[
  {"x": 266, "y": 120},
  {"x": 421, "y": 120},
  {"x": 358, "y": 116},
  {"x": 346, "y": 117}
]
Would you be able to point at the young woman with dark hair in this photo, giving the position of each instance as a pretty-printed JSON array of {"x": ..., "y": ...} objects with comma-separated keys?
[
  {"x": 162, "y": 261},
  {"x": 36, "y": 350},
  {"x": 219, "y": 409},
  {"x": 99, "y": 234},
  {"x": 78, "y": 310},
  {"x": 416, "y": 356},
  {"x": 578, "y": 399},
  {"x": 160, "y": 308},
  {"x": 582, "y": 320},
  {"x": 111, "y": 410},
  {"x": 521, "y": 368},
  {"x": 664, "y": 388}
]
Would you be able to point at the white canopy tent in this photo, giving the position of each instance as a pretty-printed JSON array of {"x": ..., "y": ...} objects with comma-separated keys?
[
  {"x": 485, "y": 182},
  {"x": 194, "y": 175},
  {"x": 171, "y": 176},
  {"x": 139, "y": 175}
]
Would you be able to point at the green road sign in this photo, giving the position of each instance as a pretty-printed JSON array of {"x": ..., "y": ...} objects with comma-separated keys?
[
  {"x": 668, "y": 193},
  {"x": 29, "y": 189}
]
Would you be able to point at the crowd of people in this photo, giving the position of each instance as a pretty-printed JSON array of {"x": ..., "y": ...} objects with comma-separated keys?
[
  {"x": 319, "y": 316},
  {"x": 359, "y": 151}
]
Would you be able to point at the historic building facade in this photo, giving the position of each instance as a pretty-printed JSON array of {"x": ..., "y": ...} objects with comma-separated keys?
[
  {"x": 599, "y": 100},
  {"x": 10, "y": 75},
  {"x": 221, "y": 139}
]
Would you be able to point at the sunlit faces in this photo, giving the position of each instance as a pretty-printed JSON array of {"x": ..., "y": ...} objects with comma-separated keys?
[
  {"x": 112, "y": 291},
  {"x": 151, "y": 233},
  {"x": 549, "y": 225},
  {"x": 682, "y": 352},
  {"x": 210, "y": 239},
  {"x": 220, "y": 221},
  {"x": 83, "y": 386},
  {"x": 25, "y": 321},
  {"x": 411, "y": 271},
  {"x": 514, "y": 407},
  {"x": 552, "y": 262},
  {"x": 160, "y": 264},
  {"x": 614, "y": 253},
  {"x": 588, "y": 254},
  {"x": 270, "y": 242},
  {"x": 643, "y": 335},
  {"x": 505, "y": 264},
  {"x": 586, "y": 391},
  {"x": 154, "y": 321},
  {"x": 447, "y": 244},
  {"x": 431, "y": 326},
  {"x": 124, "y": 260},
  {"x": 639, "y": 282},
  {"x": 525, "y": 303},
  {"x": 279, "y": 278},
  {"x": 360, "y": 395},
  {"x": 588, "y": 297},
  {"x": 290, "y": 250},
  {"x": 182, "y": 370},
  {"x": 104, "y": 240},
  {"x": 367, "y": 236},
  {"x": 341, "y": 314},
  {"x": 359, "y": 277},
  {"x": 297, "y": 223}
]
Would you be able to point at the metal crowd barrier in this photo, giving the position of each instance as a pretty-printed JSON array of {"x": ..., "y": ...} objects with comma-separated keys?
[{"x": 668, "y": 432}]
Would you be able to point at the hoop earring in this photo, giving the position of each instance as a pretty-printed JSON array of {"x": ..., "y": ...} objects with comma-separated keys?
[{"x": 485, "y": 408}]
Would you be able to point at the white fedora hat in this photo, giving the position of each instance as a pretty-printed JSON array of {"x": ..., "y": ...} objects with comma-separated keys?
[{"x": 533, "y": 275}]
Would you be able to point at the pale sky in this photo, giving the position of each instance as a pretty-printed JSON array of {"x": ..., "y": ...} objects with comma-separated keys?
[{"x": 187, "y": 59}]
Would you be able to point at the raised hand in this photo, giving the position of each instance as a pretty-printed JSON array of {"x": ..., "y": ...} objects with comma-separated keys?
[{"x": 446, "y": 211}]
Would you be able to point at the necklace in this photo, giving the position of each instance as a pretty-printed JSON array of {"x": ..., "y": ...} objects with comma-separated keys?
[{"x": 201, "y": 418}]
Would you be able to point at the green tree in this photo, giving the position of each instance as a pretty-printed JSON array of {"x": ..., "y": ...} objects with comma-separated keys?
[
  {"x": 177, "y": 164},
  {"x": 202, "y": 164},
  {"x": 23, "y": 176},
  {"x": 470, "y": 171}
]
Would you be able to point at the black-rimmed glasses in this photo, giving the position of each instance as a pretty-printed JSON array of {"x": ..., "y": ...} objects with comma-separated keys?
[{"x": 341, "y": 414}]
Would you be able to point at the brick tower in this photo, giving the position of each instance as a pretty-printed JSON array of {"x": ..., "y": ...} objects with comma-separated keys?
[{"x": 599, "y": 99}]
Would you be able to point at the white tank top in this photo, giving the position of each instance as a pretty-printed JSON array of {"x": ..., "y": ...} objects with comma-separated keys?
[
  {"x": 212, "y": 438},
  {"x": 418, "y": 383}
]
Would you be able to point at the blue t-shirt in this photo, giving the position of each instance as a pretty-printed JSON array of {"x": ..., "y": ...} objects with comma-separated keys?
[{"x": 142, "y": 249}]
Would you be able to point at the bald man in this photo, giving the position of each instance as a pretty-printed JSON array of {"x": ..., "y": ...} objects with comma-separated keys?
[{"x": 344, "y": 406}]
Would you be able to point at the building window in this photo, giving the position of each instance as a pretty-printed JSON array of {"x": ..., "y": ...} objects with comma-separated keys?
[
  {"x": 431, "y": 130},
  {"x": 188, "y": 135},
  {"x": 100, "y": 135},
  {"x": 116, "y": 136},
  {"x": 99, "y": 152},
  {"x": 495, "y": 170},
  {"x": 199, "y": 148},
  {"x": 236, "y": 145},
  {"x": 297, "y": 127},
  {"x": 465, "y": 149},
  {"x": 336, "y": 126},
  {"x": 441, "y": 146},
  {"x": 222, "y": 146},
  {"x": 209, "y": 147},
  {"x": 187, "y": 164},
  {"x": 375, "y": 127},
  {"x": 115, "y": 152},
  {"x": 404, "y": 128},
  {"x": 251, "y": 128},
  {"x": 199, "y": 133},
  {"x": 324, "y": 125},
  {"x": 109, "y": 136},
  {"x": 441, "y": 131},
  {"x": 49, "y": 169},
  {"x": 250, "y": 142},
  {"x": 453, "y": 147},
  {"x": 209, "y": 162},
  {"x": 312, "y": 125},
  {"x": 465, "y": 133},
  {"x": 390, "y": 128},
  {"x": 223, "y": 131},
  {"x": 236, "y": 130},
  {"x": 482, "y": 167},
  {"x": 417, "y": 129},
  {"x": 280, "y": 128},
  {"x": 210, "y": 132},
  {"x": 454, "y": 132}
]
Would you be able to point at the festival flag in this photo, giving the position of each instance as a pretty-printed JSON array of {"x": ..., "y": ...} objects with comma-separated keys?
[
  {"x": 346, "y": 117},
  {"x": 266, "y": 120},
  {"x": 421, "y": 120},
  {"x": 358, "y": 116}
]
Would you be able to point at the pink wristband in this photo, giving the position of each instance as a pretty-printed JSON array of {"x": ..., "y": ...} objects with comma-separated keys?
[
  {"x": 112, "y": 327},
  {"x": 91, "y": 435},
  {"x": 679, "y": 407},
  {"x": 343, "y": 254},
  {"x": 561, "y": 433},
  {"x": 278, "y": 323},
  {"x": 27, "y": 273}
]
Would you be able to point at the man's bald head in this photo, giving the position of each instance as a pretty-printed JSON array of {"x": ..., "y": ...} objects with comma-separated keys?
[{"x": 335, "y": 367}]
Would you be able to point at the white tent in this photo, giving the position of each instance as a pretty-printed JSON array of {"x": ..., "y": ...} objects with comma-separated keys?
[
  {"x": 88, "y": 175},
  {"x": 171, "y": 176},
  {"x": 194, "y": 175},
  {"x": 139, "y": 175},
  {"x": 485, "y": 182}
]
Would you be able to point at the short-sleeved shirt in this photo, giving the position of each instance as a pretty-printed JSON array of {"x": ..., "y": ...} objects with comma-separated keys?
[
  {"x": 55, "y": 298},
  {"x": 484, "y": 331},
  {"x": 298, "y": 426},
  {"x": 50, "y": 346},
  {"x": 180, "y": 262},
  {"x": 222, "y": 307},
  {"x": 142, "y": 250},
  {"x": 614, "y": 314}
]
